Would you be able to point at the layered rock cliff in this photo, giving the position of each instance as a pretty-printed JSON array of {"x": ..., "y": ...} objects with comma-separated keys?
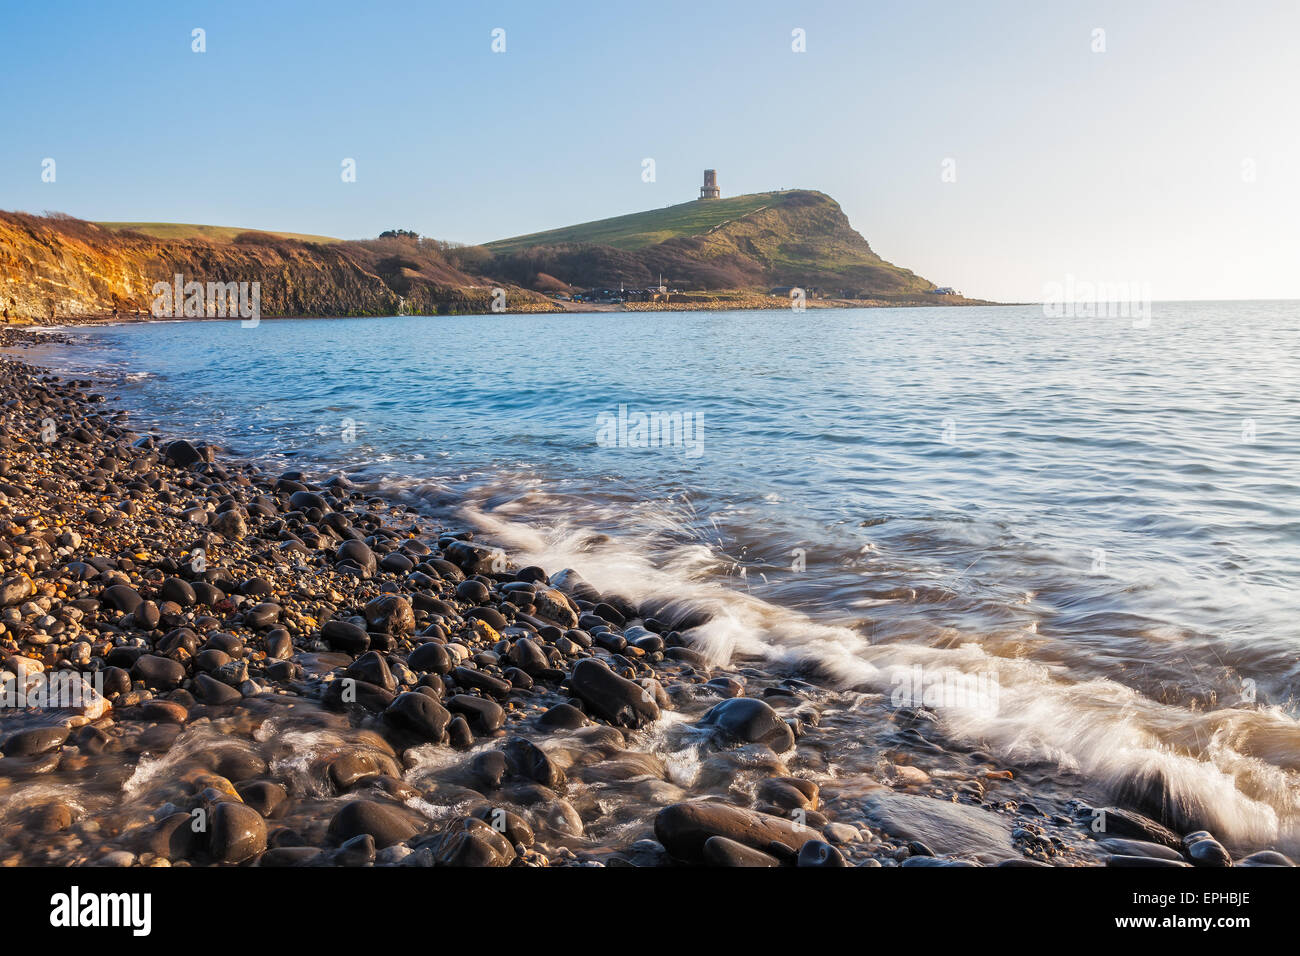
[{"x": 55, "y": 267}]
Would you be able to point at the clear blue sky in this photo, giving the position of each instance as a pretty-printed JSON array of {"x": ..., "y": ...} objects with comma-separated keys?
[{"x": 1125, "y": 165}]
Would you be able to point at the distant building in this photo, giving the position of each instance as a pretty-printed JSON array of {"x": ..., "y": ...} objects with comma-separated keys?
[
  {"x": 710, "y": 188},
  {"x": 943, "y": 290}
]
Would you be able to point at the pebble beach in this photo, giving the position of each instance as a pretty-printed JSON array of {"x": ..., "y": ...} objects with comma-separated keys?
[{"x": 206, "y": 663}]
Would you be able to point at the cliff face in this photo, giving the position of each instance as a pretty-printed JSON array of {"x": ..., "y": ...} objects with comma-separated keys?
[{"x": 58, "y": 267}]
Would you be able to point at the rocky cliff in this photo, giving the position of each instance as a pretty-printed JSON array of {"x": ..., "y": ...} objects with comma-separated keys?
[{"x": 57, "y": 267}]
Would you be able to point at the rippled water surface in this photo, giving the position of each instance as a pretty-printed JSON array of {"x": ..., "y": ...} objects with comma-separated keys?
[{"x": 1101, "y": 522}]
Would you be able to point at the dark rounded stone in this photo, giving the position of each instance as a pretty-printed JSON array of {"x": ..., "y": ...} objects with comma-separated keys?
[
  {"x": 34, "y": 740},
  {"x": 116, "y": 681},
  {"x": 352, "y": 767},
  {"x": 418, "y": 714},
  {"x": 721, "y": 851},
  {"x": 750, "y": 721},
  {"x": 726, "y": 687},
  {"x": 788, "y": 793},
  {"x": 563, "y": 717},
  {"x": 231, "y": 644},
  {"x": 686, "y": 655},
  {"x": 1208, "y": 852},
  {"x": 256, "y": 587},
  {"x": 179, "y": 643},
  {"x": 390, "y": 614},
  {"x": 434, "y": 605},
  {"x": 181, "y": 454},
  {"x": 238, "y": 833},
  {"x": 613, "y": 698},
  {"x": 473, "y": 592},
  {"x": 473, "y": 558},
  {"x": 278, "y": 644},
  {"x": 146, "y": 615},
  {"x": 345, "y": 636},
  {"x": 207, "y": 594},
  {"x": 359, "y": 851},
  {"x": 348, "y": 691},
  {"x": 164, "y": 711},
  {"x": 511, "y": 825},
  {"x": 212, "y": 691},
  {"x": 818, "y": 854},
  {"x": 358, "y": 553},
  {"x": 609, "y": 613},
  {"x": 459, "y": 734},
  {"x": 372, "y": 668},
  {"x": 470, "y": 841},
  {"x": 121, "y": 597},
  {"x": 179, "y": 591},
  {"x": 386, "y": 824},
  {"x": 431, "y": 658},
  {"x": 284, "y": 670},
  {"x": 1117, "y": 822},
  {"x": 528, "y": 656},
  {"x": 445, "y": 570},
  {"x": 614, "y": 643},
  {"x": 262, "y": 615},
  {"x": 488, "y": 615},
  {"x": 289, "y": 856},
  {"x": 489, "y": 769},
  {"x": 517, "y": 679},
  {"x": 210, "y": 659},
  {"x": 481, "y": 680},
  {"x": 172, "y": 838},
  {"x": 650, "y": 643},
  {"x": 684, "y": 828},
  {"x": 265, "y": 797},
  {"x": 396, "y": 562},
  {"x": 307, "y": 500},
  {"x": 528, "y": 760},
  {"x": 485, "y": 716},
  {"x": 158, "y": 673}
]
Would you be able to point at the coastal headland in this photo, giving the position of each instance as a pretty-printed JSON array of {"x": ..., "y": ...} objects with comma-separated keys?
[{"x": 791, "y": 250}]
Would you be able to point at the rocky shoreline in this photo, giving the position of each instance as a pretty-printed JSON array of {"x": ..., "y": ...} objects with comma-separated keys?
[{"x": 208, "y": 664}]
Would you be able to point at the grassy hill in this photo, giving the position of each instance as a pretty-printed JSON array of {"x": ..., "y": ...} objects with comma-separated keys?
[
  {"x": 791, "y": 238},
  {"x": 188, "y": 230},
  {"x": 640, "y": 229}
]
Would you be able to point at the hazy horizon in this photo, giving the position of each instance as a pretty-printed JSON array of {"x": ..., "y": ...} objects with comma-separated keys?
[{"x": 996, "y": 150}]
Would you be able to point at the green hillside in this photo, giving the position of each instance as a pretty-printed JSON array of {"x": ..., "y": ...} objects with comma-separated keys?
[
  {"x": 640, "y": 229},
  {"x": 795, "y": 237},
  {"x": 187, "y": 230}
]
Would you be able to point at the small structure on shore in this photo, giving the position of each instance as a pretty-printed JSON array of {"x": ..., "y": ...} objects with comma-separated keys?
[{"x": 710, "y": 188}]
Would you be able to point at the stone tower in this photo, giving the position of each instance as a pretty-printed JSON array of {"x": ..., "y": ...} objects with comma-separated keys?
[{"x": 710, "y": 188}]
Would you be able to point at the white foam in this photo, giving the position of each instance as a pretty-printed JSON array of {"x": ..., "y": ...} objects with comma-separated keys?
[{"x": 1100, "y": 728}]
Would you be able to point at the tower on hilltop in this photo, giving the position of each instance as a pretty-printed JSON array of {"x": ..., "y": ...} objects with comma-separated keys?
[{"x": 710, "y": 188}]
